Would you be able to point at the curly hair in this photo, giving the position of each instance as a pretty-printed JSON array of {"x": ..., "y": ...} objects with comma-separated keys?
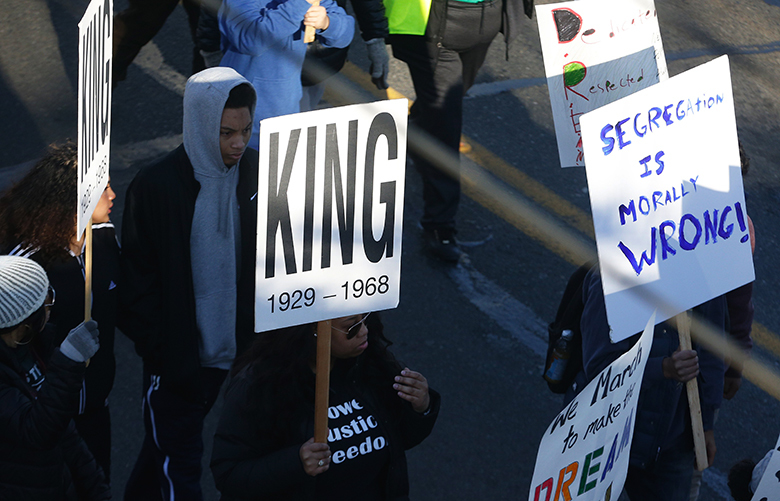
[{"x": 40, "y": 210}]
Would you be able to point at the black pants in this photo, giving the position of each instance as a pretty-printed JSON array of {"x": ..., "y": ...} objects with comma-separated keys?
[
  {"x": 169, "y": 464},
  {"x": 94, "y": 427},
  {"x": 135, "y": 26},
  {"x": 441, "y": 76}
]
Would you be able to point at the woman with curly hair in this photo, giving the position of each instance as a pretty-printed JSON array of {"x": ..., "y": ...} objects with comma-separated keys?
[
  {"x": 264, "y": 448},
  {"x": 38, "y": 221}
]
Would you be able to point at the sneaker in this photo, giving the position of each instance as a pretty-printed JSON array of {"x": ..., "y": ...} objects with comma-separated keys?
[{"x": 442, "y": 244}]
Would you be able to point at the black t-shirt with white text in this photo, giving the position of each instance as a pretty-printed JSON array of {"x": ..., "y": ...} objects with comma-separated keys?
[{"x": 358, "y": 446}]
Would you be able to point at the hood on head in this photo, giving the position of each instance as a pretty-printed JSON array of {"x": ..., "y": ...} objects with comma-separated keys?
[{"x": 204, "y": 100}]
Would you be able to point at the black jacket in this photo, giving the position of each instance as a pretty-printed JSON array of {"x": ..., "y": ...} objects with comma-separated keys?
[
  {"x": 42, "y": 456},
  {"x": 157, "y": 302},
  {"x": 662, "y": 418},
  {"x": 248, "y": 461},
  {"x": 67, "y": 278}
]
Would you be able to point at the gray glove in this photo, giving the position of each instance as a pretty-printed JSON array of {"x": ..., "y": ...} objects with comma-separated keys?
[
  {"x": 380, "y": 62},
  {"x": 82, "y": 342}
]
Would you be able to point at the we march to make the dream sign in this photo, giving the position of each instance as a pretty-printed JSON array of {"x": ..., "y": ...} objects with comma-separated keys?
[
  {"x": 330, "y": 213},
  {"x": 768, "y": 488},
  {"x": 666, "y": 193},
  {"x": 596, "y": 52},
  {"x": 584, "y": 452}
]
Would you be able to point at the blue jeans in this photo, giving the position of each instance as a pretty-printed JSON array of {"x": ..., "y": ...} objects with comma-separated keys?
[{"x": 668, "y": 479}]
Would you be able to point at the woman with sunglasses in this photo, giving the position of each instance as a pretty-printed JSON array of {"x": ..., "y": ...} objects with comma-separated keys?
[
  {"x": 41, "y": 455},
  {"x": 264, "y": 446},
  {"x": 38, "y": 221}
]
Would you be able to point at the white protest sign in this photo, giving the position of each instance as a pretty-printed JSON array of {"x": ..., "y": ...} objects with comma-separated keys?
[
  {"x": 769, "y": 486},
  {"x": 666, "y": 194},
  {"x": 596, "y": 52},
  {"x": 330, "y": 213},
  {"x": 584, "y": 452},
  {"x": 94, "y": 109}
]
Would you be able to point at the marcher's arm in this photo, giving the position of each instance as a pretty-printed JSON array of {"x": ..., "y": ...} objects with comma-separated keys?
[
  {"x": 140, "y": 297},
  {"x": 253, "y": 30},
  {"x": 240, "y": 472},
  {"x": 711, "y": 367},
  {"x": 88, "y": 477},
  {"x": 41, "y": 423},
  {"x": 243, "y": 463},
  {"x": 740, "y": 306},
  {"x": 371, "y": 18},
  {"x": 598, "y": 351},
  {"x": 341, "y": 28},
  {"x": 414, "y": 426}
]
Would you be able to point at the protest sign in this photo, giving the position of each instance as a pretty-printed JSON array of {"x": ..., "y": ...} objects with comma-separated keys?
[
  {"x": 769, "y": 486},
  {"x": 666, "y": 193},
  {"x": 584, "y": 452},
  {"x": 596, "y": 52},
  {"x": 94, "y": 108},
  {"x": 330, "y": 213}
]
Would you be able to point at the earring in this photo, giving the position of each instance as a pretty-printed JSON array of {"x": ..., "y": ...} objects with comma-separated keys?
[{"x": 19, "y": 343}]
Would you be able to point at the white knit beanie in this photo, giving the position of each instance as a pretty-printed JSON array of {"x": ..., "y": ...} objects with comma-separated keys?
[{"x": 23, "y": 288}]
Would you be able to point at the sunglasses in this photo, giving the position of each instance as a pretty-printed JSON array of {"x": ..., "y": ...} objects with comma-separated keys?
[{"x": 355, "y": 329}]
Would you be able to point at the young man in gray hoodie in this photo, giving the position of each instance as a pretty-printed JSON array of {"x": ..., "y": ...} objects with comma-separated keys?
[{"x": 188, "y": 273}]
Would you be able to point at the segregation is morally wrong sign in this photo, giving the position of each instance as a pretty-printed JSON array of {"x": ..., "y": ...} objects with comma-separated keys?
[
  {"x": 666, "y": 193},
  {"x": 330, "y": 213}
]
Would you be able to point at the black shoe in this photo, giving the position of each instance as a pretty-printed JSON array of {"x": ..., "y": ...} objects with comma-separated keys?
[{"x": 441, "y": 243}]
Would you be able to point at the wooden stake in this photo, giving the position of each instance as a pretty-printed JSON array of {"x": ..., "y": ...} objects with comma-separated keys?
[
  {"x": 308, "y": 34},
  {"x": 88, "y": 272},
  {"x": 692, "y": 386},
  {"x": 322, "y": 386}
]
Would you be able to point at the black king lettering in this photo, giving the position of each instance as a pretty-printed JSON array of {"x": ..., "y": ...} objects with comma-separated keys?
[{"x": 278, "y": 213}]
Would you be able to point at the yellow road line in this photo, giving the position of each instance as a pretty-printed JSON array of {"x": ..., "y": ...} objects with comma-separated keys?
[
  {"x": 530, "y": 187},
  {"x": 534, "y": 190}
]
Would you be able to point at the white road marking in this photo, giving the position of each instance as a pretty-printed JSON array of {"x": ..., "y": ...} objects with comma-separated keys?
[
  {"x": 512, "y": 315},
  {"x": 152, "y": 62}
]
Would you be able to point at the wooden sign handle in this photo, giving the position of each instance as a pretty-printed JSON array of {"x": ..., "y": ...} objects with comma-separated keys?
[
  {"x": 322, "y": 386},
  {"x": 699, "y": 445},
  {"x": 88, "y": 272},
  {"x": 308, "y": 34}
]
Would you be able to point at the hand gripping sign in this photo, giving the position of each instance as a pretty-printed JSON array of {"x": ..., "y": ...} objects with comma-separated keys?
[
  {"x": 596, "y": 52},
  {"x": 584, "y": 452},
  {"x": 666, "y": 193}
]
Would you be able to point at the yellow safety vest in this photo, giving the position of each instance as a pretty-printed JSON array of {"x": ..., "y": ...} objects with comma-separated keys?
[{"x": 407, "y": 17}]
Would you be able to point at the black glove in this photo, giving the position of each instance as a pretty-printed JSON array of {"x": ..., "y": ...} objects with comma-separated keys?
[
  {"x": 380, "y": 62},
  {"x": 82, "y": 342}
]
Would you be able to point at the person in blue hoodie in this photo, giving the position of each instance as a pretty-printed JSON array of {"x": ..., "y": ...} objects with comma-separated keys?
[
  {"x": 263, "y": 41},
  {"x": 188, "y": 263}
]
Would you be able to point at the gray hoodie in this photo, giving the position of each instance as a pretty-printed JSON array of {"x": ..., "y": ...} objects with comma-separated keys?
[{"x": 214, "y": 244}]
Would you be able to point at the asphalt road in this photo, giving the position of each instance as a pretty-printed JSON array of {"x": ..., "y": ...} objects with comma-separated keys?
[{"x": 474, "y": 330}]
